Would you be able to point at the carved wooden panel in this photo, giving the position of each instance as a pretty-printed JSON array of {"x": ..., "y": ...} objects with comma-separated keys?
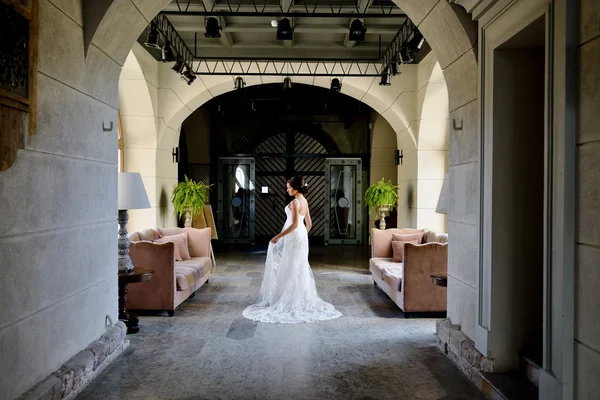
[{"x": 18, "y": 75}]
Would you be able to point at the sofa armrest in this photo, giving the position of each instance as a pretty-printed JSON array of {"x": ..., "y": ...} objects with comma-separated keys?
[
  {"x": 158, "y": 293},
  {"x": 420, "y": 262},
  {"x": 198, "y": 241}
]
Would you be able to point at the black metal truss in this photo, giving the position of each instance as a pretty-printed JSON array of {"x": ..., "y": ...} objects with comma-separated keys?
[
  {"x": 286, "y": 67},
  {"x": 283, "y": 67},
  {"x": 399, "y": 41},
  {"x": 266, "y": 8},
  {"x": 172, "y": 38}
]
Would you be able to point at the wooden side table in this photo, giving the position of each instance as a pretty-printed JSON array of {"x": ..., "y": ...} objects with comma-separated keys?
[
  {"x": 440, "y": 279},
  {"x": 136, "y": 276}
]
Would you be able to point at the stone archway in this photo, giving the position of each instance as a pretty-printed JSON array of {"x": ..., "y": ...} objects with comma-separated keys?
[
  {"x": 452, "y": 36},
  {"x": 63, "y": 184}
]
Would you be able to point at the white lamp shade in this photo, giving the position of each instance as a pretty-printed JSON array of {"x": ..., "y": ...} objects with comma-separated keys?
[
  {"x": 442, "y": 204},
  {"x": 132, "y": 193}
]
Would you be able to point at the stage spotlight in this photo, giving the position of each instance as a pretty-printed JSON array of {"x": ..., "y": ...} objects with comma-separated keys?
[
  {"x": 385, "y": 80},
  {"x": 188, "y": 76},
  {"x": 395, "y": 68},
  {"x": 357, "y": 31},
  {"x": 179, "y": 65},
  {"x": 167, "y": 53},
  {"x": 212, "y": 28},
  {"x": 416, "y": 42},
  {"x": 152, "y": 40},
  {"x": 336, "y": 85},
  {"x": 287, "y": 83},
  {"x": 239, "y": 83},
  {"x": 285, "y": 30},
  {"x": 405, "y": 55}
]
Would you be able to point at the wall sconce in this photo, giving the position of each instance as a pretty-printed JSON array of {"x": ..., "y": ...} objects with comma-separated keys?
[
  {"x": 175, "y": 154},
  {"x": 398, "y": 157}
]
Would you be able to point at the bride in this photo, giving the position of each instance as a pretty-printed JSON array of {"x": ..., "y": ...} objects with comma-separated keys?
[{"x": 288, "y": 294}]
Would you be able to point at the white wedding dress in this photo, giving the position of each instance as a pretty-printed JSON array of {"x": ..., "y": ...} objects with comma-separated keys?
[{"x": 288, "y": 294}]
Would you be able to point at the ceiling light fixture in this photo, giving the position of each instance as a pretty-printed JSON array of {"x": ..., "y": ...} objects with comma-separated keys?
[
  {"x": 153, "y": 35},
  {"x": 287, "y": 83},
  {"x": 285, "y": 30},
  {"x": 357, "y": 31},
  {"x": 385, "y": 79},
  {"x": 189, "y": 76},
  {"x": 336, "y": 85},
  {"x": 274, "y": 23},
  {"x": 167, "y": 53},
  {"x": 239, "y": 83},
  {"x": 212, "y": 28}
]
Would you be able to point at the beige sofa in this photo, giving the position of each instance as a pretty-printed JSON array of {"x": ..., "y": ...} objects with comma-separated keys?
[
  {"x": 173, "y": 281},
  {"x": 409, "y": 283}
]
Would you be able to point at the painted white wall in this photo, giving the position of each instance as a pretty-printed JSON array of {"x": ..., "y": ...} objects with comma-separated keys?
[{"x": 383, "y": 144}]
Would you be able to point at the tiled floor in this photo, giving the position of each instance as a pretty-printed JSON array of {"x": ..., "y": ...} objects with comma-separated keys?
[{"x": 208, "y": 351}]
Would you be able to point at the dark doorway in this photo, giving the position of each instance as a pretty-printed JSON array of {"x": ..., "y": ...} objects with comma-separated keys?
[
  {"x": 518, "y": 194},
  {"x": 287, "y": 132}
]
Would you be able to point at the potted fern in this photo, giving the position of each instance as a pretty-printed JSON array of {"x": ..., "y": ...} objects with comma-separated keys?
[
  {"x": 383, "y": 195},
  {"x": 188, "y": 198}
]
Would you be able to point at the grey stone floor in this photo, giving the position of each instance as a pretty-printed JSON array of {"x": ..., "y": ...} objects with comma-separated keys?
[{"x": 209, "y": 351}]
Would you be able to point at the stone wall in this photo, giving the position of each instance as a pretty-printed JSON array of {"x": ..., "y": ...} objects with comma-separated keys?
[
  {"x": 587, "y": 236},
  {"x": 58, "y": 245}
]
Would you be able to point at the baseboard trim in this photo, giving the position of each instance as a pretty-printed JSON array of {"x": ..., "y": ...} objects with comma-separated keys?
[
  {"x": 77, "y": 373},
  {"x": 461, "y": 350}
]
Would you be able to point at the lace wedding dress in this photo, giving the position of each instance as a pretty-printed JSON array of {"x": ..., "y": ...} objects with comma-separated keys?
[{"x": 288, "y": 294}]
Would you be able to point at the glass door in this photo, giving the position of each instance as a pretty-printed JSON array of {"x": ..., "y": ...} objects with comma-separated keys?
[
  {"x": 343, "y": 201},
  {"x": 236, "y": 199}
]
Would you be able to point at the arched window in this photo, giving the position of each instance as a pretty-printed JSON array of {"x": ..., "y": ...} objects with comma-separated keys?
[{"x": 121, "y": 159}]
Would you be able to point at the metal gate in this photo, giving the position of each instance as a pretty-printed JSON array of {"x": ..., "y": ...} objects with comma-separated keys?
[
  {"x": 343, "y": 201},
  {"x": 278, "y": 158}
]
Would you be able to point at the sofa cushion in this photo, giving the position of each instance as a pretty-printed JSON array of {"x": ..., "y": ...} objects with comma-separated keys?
[
  {"x": 181, "y": 241},
  {"x": 134, "y": 237},
  {"x": 377, "y": 265},
  {"x": 149, "y": 234},
  {"x": 202, "y": 265},
  {"x": 398, "y": 248},
  {"x": 185, "y": 277},
  {"x": 392, "y": 275},
  {"x": 170, "y": 231},
  {"x": 199, "y": 241},
  {"x": 381, "y": 240},
  {"x": 177, "y": 240},
  {"x": 435, "y": 237},
  {"x": 403, "y": 237}
]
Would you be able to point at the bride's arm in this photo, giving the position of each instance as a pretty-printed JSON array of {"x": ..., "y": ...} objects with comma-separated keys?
[
  {"x": 308, "y": 220},
  {"x": 294, "y": 225}
]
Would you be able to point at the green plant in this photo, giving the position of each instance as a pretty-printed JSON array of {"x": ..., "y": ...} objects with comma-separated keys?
[
  {"x": 382, "y": 194},
  {"x": 189, "y": 195}
]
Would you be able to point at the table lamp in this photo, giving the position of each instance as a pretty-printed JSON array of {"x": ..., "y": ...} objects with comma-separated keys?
[{"x": 132, "y": 196}]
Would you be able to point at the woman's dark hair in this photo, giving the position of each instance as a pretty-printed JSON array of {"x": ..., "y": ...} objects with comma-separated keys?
[{"x": 297, "y": 182}]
